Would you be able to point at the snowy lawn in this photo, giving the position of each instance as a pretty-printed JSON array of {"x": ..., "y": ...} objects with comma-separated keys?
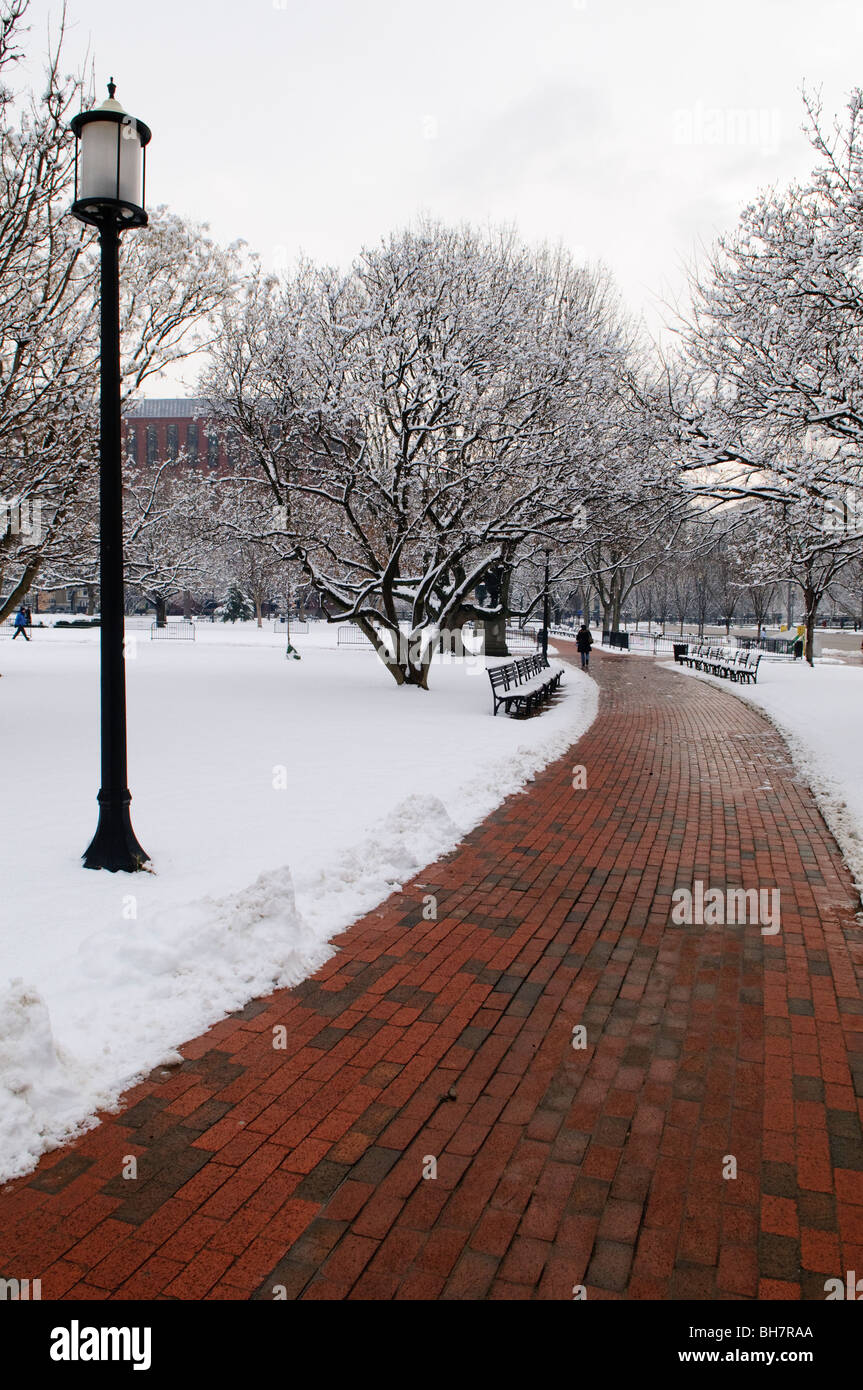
[
  {"x": 279, "y": 801},
  {"x": 819, "y": 712}
]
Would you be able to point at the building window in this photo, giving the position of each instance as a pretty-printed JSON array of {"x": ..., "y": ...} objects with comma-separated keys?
[
  {"x": 192, "y": 443},
  {"x": 172, "y": 442},
  {"x": 152, "y": 445},
  {"x": 132, "y": 444},
  {"x": 212, "y": 448}
]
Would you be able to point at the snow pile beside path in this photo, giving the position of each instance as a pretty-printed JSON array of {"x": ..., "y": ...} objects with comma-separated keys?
[
  {"x": 818, "y": 712},
  {"x": 154, "y": 984},
  {"x": 418, "y": 831},
  {"x": 280, "y": 801},
  {"x": 39, "y": 1087},
  {"x": 421, "y": 829}
]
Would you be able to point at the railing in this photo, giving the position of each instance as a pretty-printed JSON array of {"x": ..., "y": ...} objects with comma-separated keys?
[
  {"x": 640, "y": 642},
  {"x": 661, "y": 646},
  {"x": 349, "y": 635},
  {"x": 298, "y": 625},
  {"x": 769, "y": 646},
  {"x": 182, "y": 631},
  {"x": 525, "y": 638}
]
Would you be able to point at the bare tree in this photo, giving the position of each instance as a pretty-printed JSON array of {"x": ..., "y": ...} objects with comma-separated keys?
[
  {"x": 173, "y": 277},
  {"x": 167, "y": 542},
  {"x": 420, "y": 425},
  {"x": 769, "y": 391}
]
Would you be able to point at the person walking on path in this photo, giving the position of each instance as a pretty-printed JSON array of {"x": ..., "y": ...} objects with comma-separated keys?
[
  {"x": 584, "y": 642},
  {"x": 21, "y": 625}
]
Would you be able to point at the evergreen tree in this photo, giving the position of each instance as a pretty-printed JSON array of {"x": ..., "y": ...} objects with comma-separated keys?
[{"x": 237, "y": 607}]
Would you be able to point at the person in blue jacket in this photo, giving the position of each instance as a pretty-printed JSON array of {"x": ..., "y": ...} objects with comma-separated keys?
[{"x": 21, "y": 625}]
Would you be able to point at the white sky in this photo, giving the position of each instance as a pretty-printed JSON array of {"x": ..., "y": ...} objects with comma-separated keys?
[{"x": 630, "y": 130}]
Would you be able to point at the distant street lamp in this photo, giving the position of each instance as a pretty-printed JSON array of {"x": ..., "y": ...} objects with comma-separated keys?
[
  {"x": 545, "y": 613},
  {"x": 110, "y": 171}
]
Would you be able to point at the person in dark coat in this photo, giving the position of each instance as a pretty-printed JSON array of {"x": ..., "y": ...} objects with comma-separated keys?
[
  {"x": 584, "y": 642},
  {"x": 21, "y": 625}
]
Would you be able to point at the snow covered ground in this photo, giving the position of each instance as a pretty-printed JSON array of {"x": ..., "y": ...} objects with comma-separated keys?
[
  {"x": 819, "y": 712},
  {"x": 279, "y": 801}
]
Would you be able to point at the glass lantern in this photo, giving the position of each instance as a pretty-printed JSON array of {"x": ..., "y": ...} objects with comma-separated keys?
[{"x": 110, "y": 169}]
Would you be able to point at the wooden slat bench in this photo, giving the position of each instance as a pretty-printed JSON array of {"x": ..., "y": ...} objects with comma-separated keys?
[
  {"x": 524, "y": 685},
  {"x": 731, "y": 662}
]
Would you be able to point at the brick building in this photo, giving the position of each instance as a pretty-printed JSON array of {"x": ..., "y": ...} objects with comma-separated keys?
[
  {"x": 154, "y": 431},
  {"x": 159, "y": 430}
]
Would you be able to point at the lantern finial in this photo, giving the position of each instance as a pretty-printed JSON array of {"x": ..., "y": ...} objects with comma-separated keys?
[{"x": 112, "y": 87}]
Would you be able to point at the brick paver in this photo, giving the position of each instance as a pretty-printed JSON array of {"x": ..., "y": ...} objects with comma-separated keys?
[{"x": 445, "y": 1046}]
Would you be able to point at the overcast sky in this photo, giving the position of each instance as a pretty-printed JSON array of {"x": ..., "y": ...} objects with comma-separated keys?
[{"x": 629, "y": 130}]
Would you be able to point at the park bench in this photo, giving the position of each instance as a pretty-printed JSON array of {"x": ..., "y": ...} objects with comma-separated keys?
[
  {"x": 733, "y": 663},
  {"x": 747, "y": 667},
  {"x": 524, "y": 685}
]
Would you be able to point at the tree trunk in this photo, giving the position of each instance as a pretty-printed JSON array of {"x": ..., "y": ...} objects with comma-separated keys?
[
  {"x": 495, "y": 628},
  {"x": 810, "y": 598},
  {"x": 91, "y": 600},
  {"x": 617, "y": 600},
  {"x": 495, "y": 636},
  {"x": 258, "y": 613},
  {"x": 187, "y": 605},
  {"x": 404, "y": 663},
  {"x": 22, "y": 588},
  {"x": 161, "y": 605}
]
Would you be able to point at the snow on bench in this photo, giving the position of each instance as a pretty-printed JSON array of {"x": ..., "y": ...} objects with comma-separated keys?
[{"x": 524, "y": 684}]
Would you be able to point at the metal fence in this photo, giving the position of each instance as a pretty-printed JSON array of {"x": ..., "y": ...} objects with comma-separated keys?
[
  {"x": 768, "y": 646},
  {"x": 298, "y": 625},
  {"x": 182, "y": 631},
  {"x": 7, "y": 627},
  {"x": 771, "y": 648},
  {"x": 522, "y": 638},
  {"x": 658, "y": 646},
  {"x": 349, "y": 635}
]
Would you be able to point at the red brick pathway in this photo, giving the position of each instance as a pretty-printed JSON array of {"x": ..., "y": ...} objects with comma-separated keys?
[{"x": 452, "y": 1040}]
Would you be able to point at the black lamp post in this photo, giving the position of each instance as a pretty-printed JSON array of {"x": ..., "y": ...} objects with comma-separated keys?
[
  {"x": 109, "y": 194},
  {"x": 545, "y": 614}
]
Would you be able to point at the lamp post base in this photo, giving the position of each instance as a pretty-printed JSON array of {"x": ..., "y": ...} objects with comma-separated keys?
[{"x": 114, "y": 846}]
